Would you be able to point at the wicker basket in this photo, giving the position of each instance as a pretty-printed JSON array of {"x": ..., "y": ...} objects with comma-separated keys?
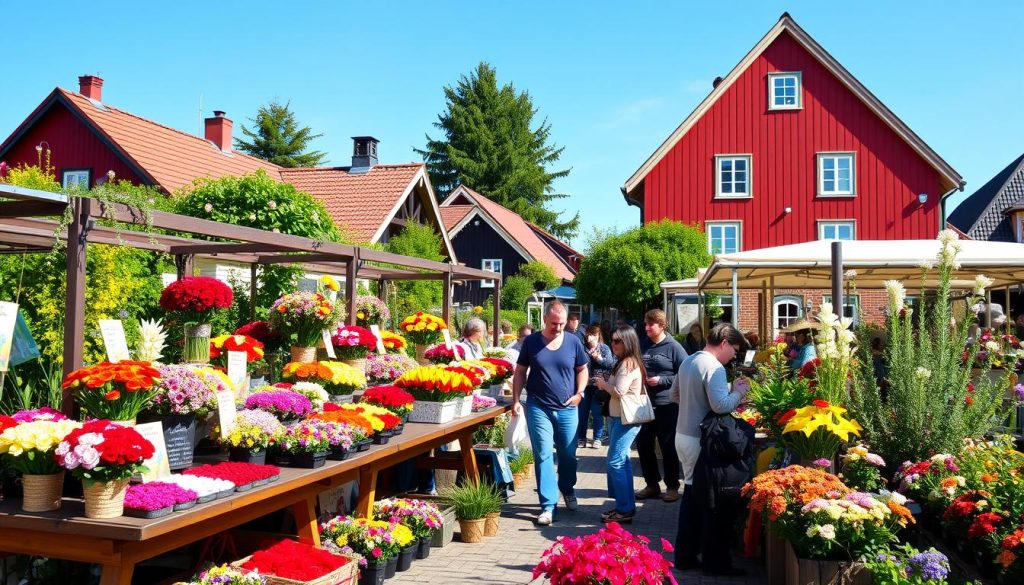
[
  {"x": 491, "y": 524},
  {"x": 105, "y": 499},
  {"x": 347, "y": 574},
  {"x": 471, "y": 531},
  {"x": 42, "y": 492},
  {"x": 421, "y": 358},
  {"x": 357, "y": 363},
  {"x": 303, "y": 355}
]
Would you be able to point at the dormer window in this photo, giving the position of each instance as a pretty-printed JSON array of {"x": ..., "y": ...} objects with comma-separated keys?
[{"x": 784, "y": 91}]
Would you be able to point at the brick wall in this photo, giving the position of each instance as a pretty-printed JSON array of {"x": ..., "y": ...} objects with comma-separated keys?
[{"x": 872, "y": 304}]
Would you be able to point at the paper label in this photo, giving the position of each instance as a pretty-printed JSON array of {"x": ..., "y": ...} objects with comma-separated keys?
[
  {"x": 447, "y": 339},
  {"x": 114, "y": 340},
  {"x": 380, "y": 340},
  {"x": 159, "y": 464},
  {"x": 8, "y": 317},
  {"x": 237, "y": 368},
  {"x": 329, "y": 345},
  {"x": 226, "y": 413}
]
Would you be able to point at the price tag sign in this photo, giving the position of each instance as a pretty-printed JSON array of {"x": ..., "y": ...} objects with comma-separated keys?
[
  {"x": 380, "y": 339},
  {"x": 237, "y": 368},
  {"x": 114, "y": 340},
  {"x": 159, "y": 464},
  {"x": 226, "y": 413},
  {"x": 449, "y": 345},
  {"x": 329, "y": 345},
  {"x": 8, "y": 317}
]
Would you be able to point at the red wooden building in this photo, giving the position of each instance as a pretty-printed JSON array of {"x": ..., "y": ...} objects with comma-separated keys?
[{"x": 790, "y": 147}]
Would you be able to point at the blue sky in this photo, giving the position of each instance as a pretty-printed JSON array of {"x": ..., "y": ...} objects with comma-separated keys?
[{"x": 613, "y": 79}]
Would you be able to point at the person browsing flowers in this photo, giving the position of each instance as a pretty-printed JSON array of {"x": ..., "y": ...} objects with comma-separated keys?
[
  {"x": 557, "y": 365},
  {"x": 601, "y": 361},
  {"x": 473, "y": 333}
]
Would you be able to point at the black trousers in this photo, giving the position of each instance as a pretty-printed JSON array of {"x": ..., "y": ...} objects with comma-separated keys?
[
  {"x": 706, "y": 531},
  {"x": 663, "y": 430}
]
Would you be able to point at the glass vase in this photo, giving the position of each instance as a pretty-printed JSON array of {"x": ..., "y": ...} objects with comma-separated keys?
[{"x": 196, "y": 348}]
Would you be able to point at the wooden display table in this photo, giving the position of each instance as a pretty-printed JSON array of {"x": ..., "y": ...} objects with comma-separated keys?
[{"x": 119, "y": 543}]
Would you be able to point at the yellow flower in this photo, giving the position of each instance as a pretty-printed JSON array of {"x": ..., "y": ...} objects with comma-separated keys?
[
  {"x": 478, "y": 310},
  {"x": 329, "y": 283}
]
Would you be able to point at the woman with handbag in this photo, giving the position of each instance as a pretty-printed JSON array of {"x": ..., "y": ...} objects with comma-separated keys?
[{"x": 628, "y": 407}]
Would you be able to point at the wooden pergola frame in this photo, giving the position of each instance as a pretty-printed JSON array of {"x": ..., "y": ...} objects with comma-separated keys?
[{"x": 23, "y": 230}]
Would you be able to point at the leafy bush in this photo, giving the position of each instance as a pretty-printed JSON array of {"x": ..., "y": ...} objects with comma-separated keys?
[{"x": 517, "y": 288}]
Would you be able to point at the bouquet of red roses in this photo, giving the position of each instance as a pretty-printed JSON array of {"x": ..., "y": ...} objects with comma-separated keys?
[
  {"x": 194, "y": 297},
  {"x": 102, "y": 451}
]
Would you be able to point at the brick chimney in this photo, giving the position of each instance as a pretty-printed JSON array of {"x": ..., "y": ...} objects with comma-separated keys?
[
  {"x": 218, "y": 131},
  {"x": 91, "y": 86}
]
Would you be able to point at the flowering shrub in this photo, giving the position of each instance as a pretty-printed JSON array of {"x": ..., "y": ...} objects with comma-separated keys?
[
  {"x": 352, "y": 342},
  {"x": 335, "y": 377},
  {"x": 386, "y": 368},
  {"x": 254, "y": 429},
  {"x": 393, "y": 342},
  {"x": 113, "y": 391},
  {"x": 862, "y": 469},
  {"x": 236, "y": 472},
  {"x": 261, "y": 331},
  {"x": 907, "y": 566},
  {"x": 101, "y": 451},
  {"x": 437, "y": 383},
  {"x": 851, "y": 526},
  {"x": 612, "y": 555},
  {"x": 423, "y": 328},
  {"x": 422, "y": 518},
  {"x": 440, "y": 354},
  {"x": 183, "y": 389},
  {"x": 376, "y": 541},
  {"x": 371, "y": 311},
  {"x": 301, "y": 317},
  {"x": 284, "y": 404},
  {"x": 293, "y": 560},
  {"x": 193, "y": 298},
  {"x": 28, "y": 447},
  {"x": 222, "y": 344},
  {"x": 817, "y": 430},
  {"x": 225, "y": 575},
  {"x": 157, "y": 495},
  {"x": 305, "y": 437},
  {"x": 392, "y": 398}
]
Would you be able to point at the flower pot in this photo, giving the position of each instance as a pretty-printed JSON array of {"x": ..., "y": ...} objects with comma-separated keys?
[
  {"x": 41, "y": 493},
  {"x": 421, "y": 351},
  {"x": 246, "y": 455},
  {"x": 517, "y": 480},
  {"x": 423, "y": 549},
  {"x": 801, "y": 571},
  {"x": 491, "y": 524},
  {"x": 105, "y": 499},
  {"x": 398, "y": 430},
  {"x": 148, "y": 514},
  {"x": 184, "y": 505},
  {"x": 196, "y": 348},
  {"x": 364, "y": 445},
  {"x": 383, "y": 437},
  {"x": 391, "y": 568},
  {"x": 303, "y": 355},
  {"x": 357, "y": 363},
  {"x": 471, "y": 531},
  {"x": 464, "y": 406},
  {"x": 372, "y": 574},
  {"x": 406, "y": 556},
  {"x": 433, "y": 412},
  {"x": 302, "y": 460},
  {"x": 180, "y": 438},
  {"x": 341, "y": 398},
  {"x": 339, "y": 454}
]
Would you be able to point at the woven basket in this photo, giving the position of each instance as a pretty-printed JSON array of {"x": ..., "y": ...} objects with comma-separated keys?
[
  {"x": 347, "y": 574},
  {"x": 421, "y": 351},
  {"x": 42, "y": 492},
  {"x": 303, "y": 355},
  {"x": 357, "y": 363},
  {"x": 491, "y": 524},
  {"x": 471, "y": 531},
  {"x": 105, "y": 499}
]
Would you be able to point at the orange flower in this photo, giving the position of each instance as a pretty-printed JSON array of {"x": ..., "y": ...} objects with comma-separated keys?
[
  {"x": 112, "y": 395},
  {"x": 989, "y": 477}
]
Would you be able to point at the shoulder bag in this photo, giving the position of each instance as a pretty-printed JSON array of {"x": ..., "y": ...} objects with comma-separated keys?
[{"x": 636, "y": 408}]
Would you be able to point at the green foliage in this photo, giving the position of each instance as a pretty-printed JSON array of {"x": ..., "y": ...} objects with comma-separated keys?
[
  {"x": 32, "y": 385},
  {"x": 517, "y": 288},
  {"x": 494, "y": 434},
  {"x": 775, "y": 390},
  {"x": 489, "y": 145},
  {"x": 409, "y": 296},
  {"x": 626, "y": 270},
  {"x": 278, "y": 138},
  {"x": 522, "y": 459},
  {"x": 33, "y": 177},
  {"x": 473, "y": 499}
]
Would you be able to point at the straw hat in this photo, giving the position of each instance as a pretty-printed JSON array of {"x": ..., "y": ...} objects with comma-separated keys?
[{"x": 801, "y": 325}]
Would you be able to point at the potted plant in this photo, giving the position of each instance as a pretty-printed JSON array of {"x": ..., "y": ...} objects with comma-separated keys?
[
  {"x": 104, "y": 456},
  {"x": 371, "y": 311},
  {"x": 393, "y": 398},
  {"x": 303, "y": 445},
  {"x": 157, "y": 499},
  {"x": 273, "y": 344},
  {"x": 255, "y": 431},
  {"x": 250, "y": 346},
  {"x": 288, "y": 562},
  {"x": 472, "y": 501},
  {"x": 183, "y": 394},
  {"x": 520, "y": 465},
  {"x": 503, "y": 370},
  {"x": 28, "y": 447},
  {"x": 117, "y": 392},
  {"x": 612, "y": 555},
  {"x": 301, "y": 318},
  {"x": 422, "y": 329},
  {"x": 286, "y": 405},
  {"x": 440, "y": 354},
  {"x": 193, "y": 300},
  {"x": 817, "y": 430},
  {"x": 422, "y": 518},
  {"x": 383, "y": 369},
  {"x": 377, "y": 543},
  {"x": 341, "y": 438},
  {"x": 352, "y": 344},
  {"x": 437, "y": 390},
  {"x": 225, "y": 575},
  {"x": 316, "y": 393},
  {"x": 338, "y": 378}
]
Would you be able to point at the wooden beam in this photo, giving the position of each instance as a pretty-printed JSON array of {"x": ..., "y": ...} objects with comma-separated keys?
[
  {"x": 351, "y": 273},
  {"x": 31, "y": 208},
  {"x": 215, "y": 248},
  {"x": 446, "y": 297},
  {"x": 496, "y": 333}
]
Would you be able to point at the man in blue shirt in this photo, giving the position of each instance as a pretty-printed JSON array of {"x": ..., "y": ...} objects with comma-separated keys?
[{"x": 557, "y": 366}]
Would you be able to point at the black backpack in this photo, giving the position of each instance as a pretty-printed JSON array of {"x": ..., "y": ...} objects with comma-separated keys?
[{"x": 726, "y": 461}]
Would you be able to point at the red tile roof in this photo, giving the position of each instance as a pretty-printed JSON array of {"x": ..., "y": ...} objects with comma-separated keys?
[
  {"x": 171, "y": 157},
  {"x": 453, "y": 214},
  {"x": 358, "y": 203}
]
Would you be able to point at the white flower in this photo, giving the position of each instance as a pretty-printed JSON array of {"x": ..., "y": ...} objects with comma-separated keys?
[
  {"x": 897, "y": 295},
  {"x": 948, "y": 237},
  {"x": 851, "y": 273},
  {"x": 923, "y": 373},
  {"x": 981, "y": 282},
  {"x": 208, "y": 207},
  {"x": 272, "y": 204},
  {"x": 991, "y": 346},
  {"x": 926, "y": 265},
  {"x": 827, "y": 531},
  {"x": 152, "y": 340},
  {"x": 252, "y": 217},
  {"x": 110, "y": 175}
]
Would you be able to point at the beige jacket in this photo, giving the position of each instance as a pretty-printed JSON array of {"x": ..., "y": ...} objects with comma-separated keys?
[{"x": 625, "y": 382}]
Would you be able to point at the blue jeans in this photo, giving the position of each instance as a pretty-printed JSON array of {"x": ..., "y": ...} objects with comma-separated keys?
[
  {"x": 549, "y": 430},
  {"x": 590, "y": 406},
  {"x": 620, "y": 467}
]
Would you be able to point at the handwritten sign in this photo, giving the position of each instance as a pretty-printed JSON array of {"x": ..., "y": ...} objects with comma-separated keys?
[
  {"x": 226, "y": 413},
  {"x": 114, "y": 340},
  {"x": 159, "y": 465},
  {"x": 380, "y": 339},
  {"x": 8, "y": 317},
  {"x": 329, "y": 345},
  {"x": 237, "y": 368}
]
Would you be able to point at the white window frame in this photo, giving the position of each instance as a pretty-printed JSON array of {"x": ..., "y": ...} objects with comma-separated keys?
[
  {"x": 785, "y": 300},
  {"x": 852, "y": 301},
  {"x": 749, "y": 160},
  {"x": 492, "y": 264},
  {"x": 795, "y": 75},
  {"x": 80, "y": 177},
  {"x": 837, "y": 223},
  {"x": 739, "y": 235},
  {"x": 820, "y": 166}
]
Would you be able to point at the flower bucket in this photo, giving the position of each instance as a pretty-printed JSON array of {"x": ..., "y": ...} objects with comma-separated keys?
[
  {"x": 491, "y": 524},
  {"x": 421, "y": 351},
  {"x": 358, "y": 363},
  {"x": 471, "y": 531},
  {"x": 105, "y": 499},
  {"x": 303, "y": 355},
  {"x": 372, "y": 574},
  {"x": 342, "y": 398},
  {"x": 464, "y": 406},
  {"x": 245, "y": 455},
  {"x": 406, "y": 556},
  {"x": 803, "y": 571},
  {"x": 125, "y": 423},
  {"x": 339, "y": 454},
  {"x": 196, "y": 348},
  {"x": 391, "y": 568},
  {"x": 433, "y": 412},
  {"x": 517, "y": 480},
  {"x": 423, "y": 549},
  {"x": 41, "y": 493}
]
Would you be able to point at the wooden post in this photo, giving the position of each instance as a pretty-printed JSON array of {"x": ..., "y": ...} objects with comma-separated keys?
[
  {"x": 765, "y": 313},
  {"x": 446, "y": 296},
  {"x": 74, "y": 302},
  {"x": 735, "y": 301},
  {"x": 771, "y": 307},
  {"x": 185, "y": 265},
  {"x": 351, "y": 273},
  {"x": 1006, "y": 310},
  {"x": 837, "y": 278},
  {"x": 253, "y": 271},
  {"x": 497, "y": 314}
]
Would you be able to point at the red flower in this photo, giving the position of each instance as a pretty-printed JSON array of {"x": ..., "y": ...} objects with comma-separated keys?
[
  {"x": 296, "y": 561},
  {"x": 821, "y": 403},
  {"x": 786, "y": 416},
  {"x": 112, "y": 395},
  {"x": 969, "y": 400},
  {"x": 984, "y": 525},
  {"x": 196, "y": 294},
  {"x": 810, "y": 369},
  {"x": 7, "y": 422},
  {"x": 237, "y": 473}
]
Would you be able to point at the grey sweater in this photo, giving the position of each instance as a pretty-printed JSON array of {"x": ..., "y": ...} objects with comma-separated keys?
[{"x": 700, "y": 387}]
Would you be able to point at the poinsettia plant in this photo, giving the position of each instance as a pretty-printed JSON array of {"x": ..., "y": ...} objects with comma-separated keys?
[
  {"x": 114, "y": 391},
  {"x": 102, "y": 451}
]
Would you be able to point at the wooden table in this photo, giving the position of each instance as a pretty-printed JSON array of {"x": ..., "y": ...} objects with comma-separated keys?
[{"x": 119, "y": 543}]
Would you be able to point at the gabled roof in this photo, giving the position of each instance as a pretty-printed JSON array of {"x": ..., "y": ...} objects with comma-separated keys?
[
  {"x": 982, "y": 215},
  {"x": 453, "y": 214},
  {"x": 518, "y": 232},
  {"x": 786, "y": 24}
]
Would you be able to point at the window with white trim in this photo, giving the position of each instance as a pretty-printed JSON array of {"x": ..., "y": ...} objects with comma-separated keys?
[
  {"x": 784, "y": 92},
  {"x": 837, "y": 230},
  {"x": 724, "y": 237},
  {"x": 79, "y": 178},
  {"x": 492, "y": 264},
  {"x": 786, "y": 310},
  {"x": 732, "y": 176},
  {"x": 836, "y": 173}
]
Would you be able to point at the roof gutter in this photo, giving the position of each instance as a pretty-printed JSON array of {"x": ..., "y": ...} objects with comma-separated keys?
[
  {"x": 942, "y": 203},
  {"x": 634, "y": 203}
]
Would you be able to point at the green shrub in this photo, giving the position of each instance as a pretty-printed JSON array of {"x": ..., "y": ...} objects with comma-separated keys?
[{"x": 473, "y": 499}]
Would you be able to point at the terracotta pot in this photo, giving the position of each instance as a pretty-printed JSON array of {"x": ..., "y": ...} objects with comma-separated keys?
[
  {"x": 41, "y": 493},
  {"x": 471, "y": 531},
  {"x": 304, "y": 355},
  {"x": 491, "y": 524},
  {"x": 517, "y": 480}
]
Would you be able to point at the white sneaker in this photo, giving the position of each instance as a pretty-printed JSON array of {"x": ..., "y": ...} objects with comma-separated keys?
[
  {"x": 570, "y": 503},
  {"x": 596, "y": 444},
  {"x": 545, "y": 518}
]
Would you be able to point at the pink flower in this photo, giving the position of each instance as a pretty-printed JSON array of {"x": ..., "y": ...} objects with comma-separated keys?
[{"x": 377, "y": 552}]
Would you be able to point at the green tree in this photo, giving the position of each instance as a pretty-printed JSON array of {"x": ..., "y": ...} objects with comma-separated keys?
[
  {"x": 410, "y": 296},
  {"x": 533, "y": 275},
  {"x": 488, "y": 143},
  {"x": 278, "y": 138},
  {"x": 626, "y": 270}
]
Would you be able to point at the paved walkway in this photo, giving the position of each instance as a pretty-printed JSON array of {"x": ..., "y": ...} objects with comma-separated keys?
[{"x": 510, "y": 556}]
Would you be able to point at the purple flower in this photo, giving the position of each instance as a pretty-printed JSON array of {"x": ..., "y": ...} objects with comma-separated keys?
[
  {"x": 823, "y": 462},
  {"x": 44, "y": 413},
  {"x": 1018, "y": 391},
  {"x": 156, "y": 495},
  {"x": 184, "y": 389},
  {"x": 930, "y": 565},
  {"x": 282, "y": 403}
]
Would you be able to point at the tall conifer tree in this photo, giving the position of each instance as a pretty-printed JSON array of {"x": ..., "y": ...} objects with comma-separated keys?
[{"x": 277, "y": 137}]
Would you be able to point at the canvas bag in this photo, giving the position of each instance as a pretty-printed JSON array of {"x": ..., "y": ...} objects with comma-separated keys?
[{"x": 636, "y": 408}]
